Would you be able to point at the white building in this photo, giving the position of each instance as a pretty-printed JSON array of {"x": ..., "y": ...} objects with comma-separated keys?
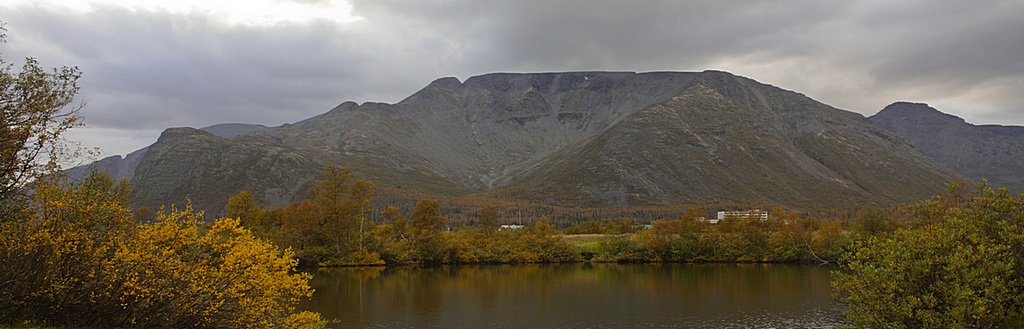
[{"x": 749, "y": 214}]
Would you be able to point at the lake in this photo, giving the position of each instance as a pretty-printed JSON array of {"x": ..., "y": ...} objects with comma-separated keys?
[{"x": 582, "y": 295}]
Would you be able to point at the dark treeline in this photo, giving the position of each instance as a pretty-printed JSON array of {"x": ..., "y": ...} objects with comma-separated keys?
[
  {"x": 464, "y": 210},
  {"x": 784, "y": 236},
  {"x": 339, "y": 225}
]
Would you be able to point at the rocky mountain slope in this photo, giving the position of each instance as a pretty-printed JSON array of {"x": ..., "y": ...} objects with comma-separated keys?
[
  {"x": 572, "y": 139},
  {"x": 990, "y": 152},
  {"x": 732, "y": 138},
  {"x": 124, "y": 168}
]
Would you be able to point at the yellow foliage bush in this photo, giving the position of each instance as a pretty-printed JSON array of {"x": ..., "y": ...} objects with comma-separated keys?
[
  {"x": 79, "y": 260},
  {"x": 221, "y": 276}
]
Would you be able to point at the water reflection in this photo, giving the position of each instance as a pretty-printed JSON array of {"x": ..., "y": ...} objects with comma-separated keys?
[{"x": 578, "y": 296}]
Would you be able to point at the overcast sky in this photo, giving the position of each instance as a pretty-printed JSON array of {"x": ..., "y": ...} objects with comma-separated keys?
[{"x": 149, "y": 65}]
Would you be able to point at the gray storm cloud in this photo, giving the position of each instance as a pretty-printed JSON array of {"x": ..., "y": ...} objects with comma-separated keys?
[{"x": 146, "y": 70}]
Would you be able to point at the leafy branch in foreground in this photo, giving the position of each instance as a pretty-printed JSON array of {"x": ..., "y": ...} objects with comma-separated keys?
[
  {"x": 962, "y": 267},
  {"x": 34, "y": 114}
]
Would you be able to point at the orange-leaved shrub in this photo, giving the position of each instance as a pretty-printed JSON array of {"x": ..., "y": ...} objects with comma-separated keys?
[{"x": 75, "y": 258}]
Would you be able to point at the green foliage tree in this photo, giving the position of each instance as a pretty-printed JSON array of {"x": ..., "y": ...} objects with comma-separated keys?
[
  {"x": 489, "y": 219},
  {"x": 873, "y": 222},
  {"x": 587, "y": 227},
  {"x": 332, "y": 197},
  {"x": 621, "y": 248},
  {"x": 673, "y": 240},
  {"x": 343, "y": 205},
  {"x": 541, "y": 243},
  {"x": 827, "y": 241},
  {"x": 964, "y": 268},
  {"x": 785, "y": 237},
  {"x": 243, "y": 206},
  {"x": 782, "y": 237},
  {"x": 427, "y": 225},
  {"x": 300, "y": 228},
  {"x": 395, "y": 237},
  {"x": 362, "y": 201},
  {"x": 332, "y": 229},
  {"x": 34, "y": 114}
]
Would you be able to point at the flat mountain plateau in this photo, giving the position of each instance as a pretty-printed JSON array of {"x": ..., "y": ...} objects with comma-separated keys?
[{"x": 573, "y": 139}]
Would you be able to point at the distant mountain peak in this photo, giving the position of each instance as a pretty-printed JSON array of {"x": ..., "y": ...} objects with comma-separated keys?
[
  {"x": 990, "y": 152},
  {"x": 232, "y": 130},
  {"x": 446, "y": 82},
  {"x": 903, "y": 110}
]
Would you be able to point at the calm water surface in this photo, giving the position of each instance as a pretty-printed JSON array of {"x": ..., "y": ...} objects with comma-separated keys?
[{"x": 578, "y": 296}]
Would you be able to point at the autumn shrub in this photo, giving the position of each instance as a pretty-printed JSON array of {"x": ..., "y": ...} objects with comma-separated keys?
[
  {"x": 180, "y": 273},
  {"x": 55, "y": 250},
  {"x": 76, "y": 258},
  {"x": 965, "y": 268},
  {"x": 787, "y": 247},
  {"x": 621, "y": 248},
  {"x": 782, "y": 239}
]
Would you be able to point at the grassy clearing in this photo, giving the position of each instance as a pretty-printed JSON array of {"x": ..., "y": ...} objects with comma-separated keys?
[
  {"x": 585, "y": 240},
  {"x": 587, "y": 245}
]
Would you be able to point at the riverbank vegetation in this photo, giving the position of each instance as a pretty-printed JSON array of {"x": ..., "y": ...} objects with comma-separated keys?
[
  {"x": 953, "y": 261},
  {"x": 333, "y": 229},
  {"x": 336, "y": 227},
  {"x": 959, "y": 263}
]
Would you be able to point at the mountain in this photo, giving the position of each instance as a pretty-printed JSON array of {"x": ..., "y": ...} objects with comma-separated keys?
[
  {"x": 232, "y": 130},
  {"x": 124, "y": 168},
  {"x": 731, "y": 138},
  {"x": 118, "y": 167},
  {"x": 576, "y": 139},
  {"x": 191, "y": 164},
  {"x": 989, "y": 152}
]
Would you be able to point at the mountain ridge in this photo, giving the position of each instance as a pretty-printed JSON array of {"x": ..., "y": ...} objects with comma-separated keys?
[
  {"x": 980, "y": 152},
  {"x": 709, "y": 153},
  {"x": 576, "y": 139}
]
